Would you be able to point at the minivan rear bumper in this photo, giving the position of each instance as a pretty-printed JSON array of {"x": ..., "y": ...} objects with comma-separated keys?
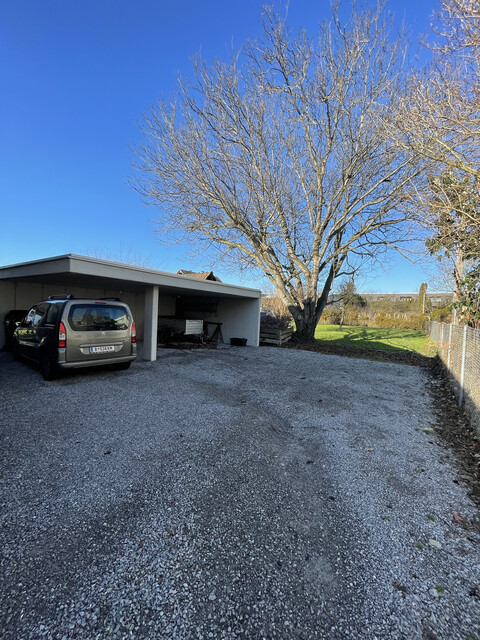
[{"x": 77, "y": 364}]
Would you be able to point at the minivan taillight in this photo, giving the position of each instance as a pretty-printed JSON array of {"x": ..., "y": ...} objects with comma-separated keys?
[
  {"x": 134, "y": 333},
  {"x": 62, "y": 336}
]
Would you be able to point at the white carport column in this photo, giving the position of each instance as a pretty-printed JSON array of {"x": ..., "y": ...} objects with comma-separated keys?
[{"x": 151, "y": 323}]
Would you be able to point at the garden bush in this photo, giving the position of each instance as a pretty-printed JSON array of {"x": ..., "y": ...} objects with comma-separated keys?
[{"x": 442, "y": 314}]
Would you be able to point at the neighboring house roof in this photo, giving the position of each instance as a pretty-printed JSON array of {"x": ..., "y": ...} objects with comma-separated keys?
[{"x": 202, "y": 275}]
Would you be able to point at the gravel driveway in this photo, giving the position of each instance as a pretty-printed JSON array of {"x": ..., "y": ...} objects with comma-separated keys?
[{"x": 231, "y": 493}]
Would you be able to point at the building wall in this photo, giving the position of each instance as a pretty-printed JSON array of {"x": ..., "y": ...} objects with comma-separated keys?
[
  {"x": 166, "y": 305},
  {"x": 7, "y": 302},
  {"x": 240, "y": 319}
]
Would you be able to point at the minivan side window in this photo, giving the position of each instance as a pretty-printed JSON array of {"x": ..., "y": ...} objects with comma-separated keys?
[
  {"x": 40, "y": 312},
  {"x": 52, "y": 314},
  {"x": 36, "y": 315},
  {"x": 29, "y": 317}
]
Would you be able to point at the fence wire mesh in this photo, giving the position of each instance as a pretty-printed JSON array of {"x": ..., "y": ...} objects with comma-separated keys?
[{"x": 459, "y": 349}]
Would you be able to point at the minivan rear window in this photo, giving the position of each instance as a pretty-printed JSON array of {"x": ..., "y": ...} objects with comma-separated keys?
[{"x": 93, "y": 317}]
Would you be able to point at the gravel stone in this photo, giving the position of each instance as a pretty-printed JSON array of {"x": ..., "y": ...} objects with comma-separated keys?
[{"x": 232, "y": 503}]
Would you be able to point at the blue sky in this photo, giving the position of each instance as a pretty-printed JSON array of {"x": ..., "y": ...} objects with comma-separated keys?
[{"x": 76, "y": 78}]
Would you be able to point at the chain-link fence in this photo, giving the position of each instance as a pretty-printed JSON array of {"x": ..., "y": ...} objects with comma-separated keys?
[{"x": 459, "y": 349}]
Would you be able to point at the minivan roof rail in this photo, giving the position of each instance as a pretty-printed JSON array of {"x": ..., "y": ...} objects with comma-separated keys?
[{"x": 60, "y": 296}]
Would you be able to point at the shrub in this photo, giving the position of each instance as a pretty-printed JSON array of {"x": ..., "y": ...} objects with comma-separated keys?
[
  {"x": 386, "y": 320},
  {"x": 442, "y": 314},
  {"x": 351, "y": 318},
  {"x": 331, "y": 315},
  {"x": 275, "y": 322},
  {"x": 383, "y": 318}
]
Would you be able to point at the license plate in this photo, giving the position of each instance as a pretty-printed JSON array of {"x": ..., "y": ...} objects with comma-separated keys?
[{"x": 105, "y": 349}]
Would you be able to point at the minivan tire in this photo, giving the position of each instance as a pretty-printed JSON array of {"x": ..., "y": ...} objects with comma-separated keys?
[{"x": 49, "y": 368}]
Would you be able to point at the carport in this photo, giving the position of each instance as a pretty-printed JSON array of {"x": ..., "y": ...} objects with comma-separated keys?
[{"x": 148, "y": 292}]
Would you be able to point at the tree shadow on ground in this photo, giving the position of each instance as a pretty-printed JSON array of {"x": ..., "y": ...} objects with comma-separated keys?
[
  {"x": 375, "y": 351},
  {"x": 372, "y": 339}
]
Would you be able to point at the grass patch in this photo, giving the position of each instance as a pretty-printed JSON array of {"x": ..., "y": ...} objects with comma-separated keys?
[{"x": 376, "y": 339}]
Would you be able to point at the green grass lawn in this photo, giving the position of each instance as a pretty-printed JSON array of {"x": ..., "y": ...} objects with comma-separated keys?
[{"x": 376, "y": 339}]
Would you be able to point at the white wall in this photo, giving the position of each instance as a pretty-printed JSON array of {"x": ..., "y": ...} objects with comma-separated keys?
[{"x": 240, "y": 318}]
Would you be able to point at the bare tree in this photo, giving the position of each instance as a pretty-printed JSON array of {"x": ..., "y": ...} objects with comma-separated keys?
[
  {"x": 280, "y": 159},
  {"x": 440, "y": 121},
  {"x": 457, "y": 25}
]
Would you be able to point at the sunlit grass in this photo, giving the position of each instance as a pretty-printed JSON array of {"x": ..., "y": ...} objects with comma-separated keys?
[{"x": 378, "y": 339}]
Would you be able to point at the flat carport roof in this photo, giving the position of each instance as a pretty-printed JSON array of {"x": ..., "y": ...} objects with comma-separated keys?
[
  {"x": 83, "y": 271},
  {"x": 73, "y": 269}
]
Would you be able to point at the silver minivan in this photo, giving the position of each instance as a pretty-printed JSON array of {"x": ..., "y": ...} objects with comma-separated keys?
[{"x": 64, "y": 332}]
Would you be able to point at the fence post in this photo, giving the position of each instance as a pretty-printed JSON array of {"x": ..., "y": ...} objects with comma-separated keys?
[
  {"x": 449, "y": 347},
  {"x": 462, "y": 369}
]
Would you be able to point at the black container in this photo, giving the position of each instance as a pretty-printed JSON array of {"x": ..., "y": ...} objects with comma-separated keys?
[{"x": 238, "y": 342}]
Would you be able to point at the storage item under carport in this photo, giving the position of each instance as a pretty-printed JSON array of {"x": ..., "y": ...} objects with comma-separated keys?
[
  {"x": 238, "y": 342},
  {"x": 178, "y": 328},
  {"x": 12, "y": 317},
  {"x": 216, "y": 335}
]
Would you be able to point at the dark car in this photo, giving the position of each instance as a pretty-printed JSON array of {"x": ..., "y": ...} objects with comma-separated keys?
[{"x": 64, "y": 332}]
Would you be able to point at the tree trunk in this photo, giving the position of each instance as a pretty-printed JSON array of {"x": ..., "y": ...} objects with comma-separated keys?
[
  {"x": 458, "y": 275},
  {"x": 305, "y": 320},
  {"x": 307, "y": 316}
]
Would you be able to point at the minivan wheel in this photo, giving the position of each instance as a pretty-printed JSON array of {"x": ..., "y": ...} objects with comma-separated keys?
[{"x": 49, "y": 368}]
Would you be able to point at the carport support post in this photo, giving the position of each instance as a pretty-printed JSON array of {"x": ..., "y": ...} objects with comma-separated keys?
[{"x": 151, "y": 323}]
